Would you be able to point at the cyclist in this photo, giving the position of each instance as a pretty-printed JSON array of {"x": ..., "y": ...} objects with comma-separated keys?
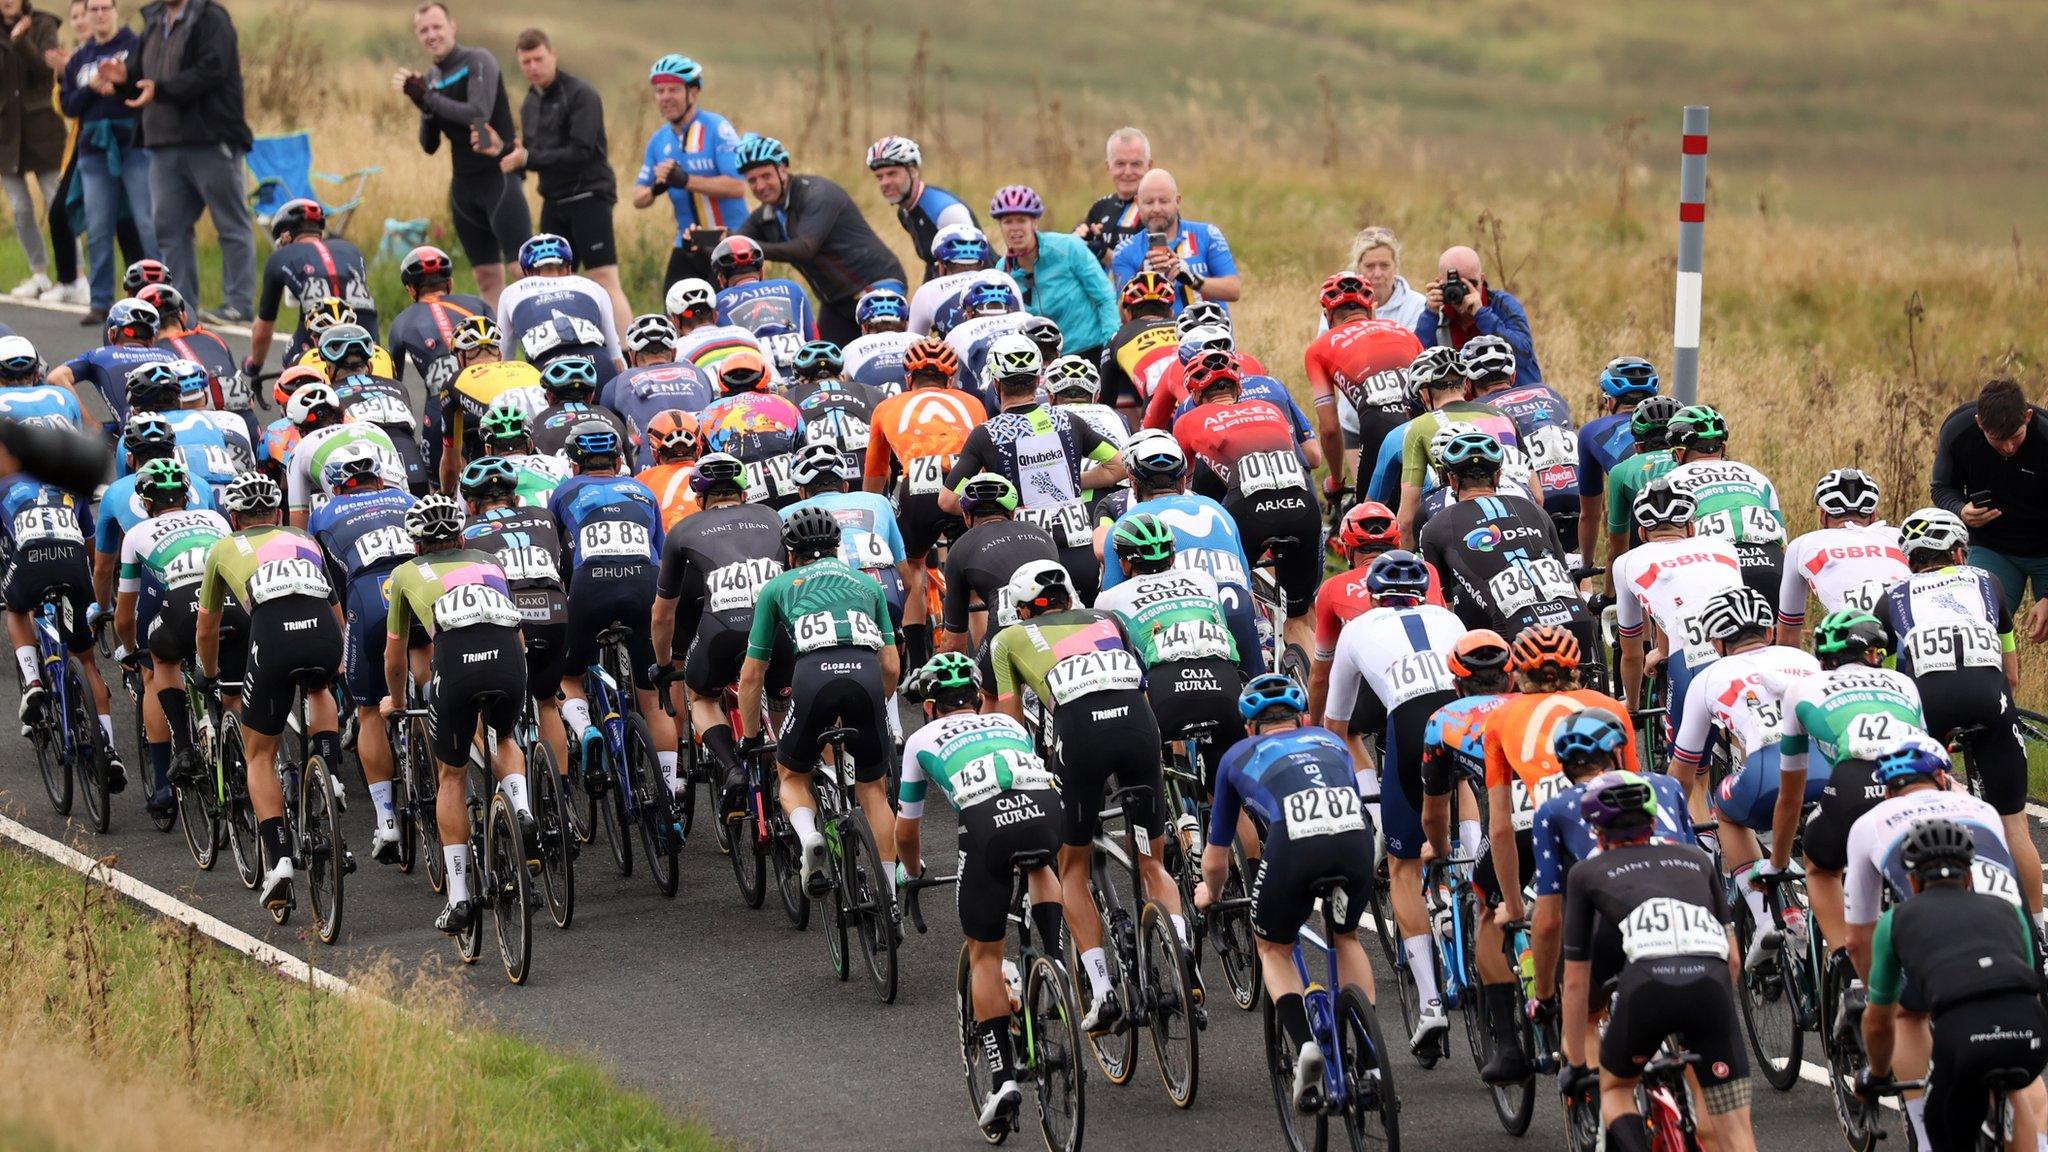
[
  {"x": 274, "y": 444},
  {"x": 376, "y": 401},
  {"x": 1442, "y": 387},
  {"x": 1669, "y": 913},
  {"x": 869, "y": 538},
  {"x": 230, "y": 389},
  {"x": 989, "y": 313},
  {"x": 654, "y": 382},
  {"x": 25, "y": 397},
  {"x": 713, "y": 568},
  {"x": 760, "y": 427},
  {"x": 131, "y": 330},
  {"x": 195, "y": 409},
  {"x": 461, "y": 598},
  {"x": 1142, "y": 349},
  {"x": 1976, "y": 971},
  {"x": 836, "y": 411},
  {"x": 165, "y": 556},
  {"x": 316, "y": 410},
  {"x": 965, "y": 259},
  {"x": 611, "y": 527},
  {"x": 1850, "y": 561},
  {"x": 1668, "y": 579},
  {"x": 306, "y": 265},
  {"x": 1202, "y": 327},
  {"x": 1608, "y": 439},
  {"x": 484, "y": 378},
  {"x": 975, "y": 759},
  {"x": 1432, "y": 378},
  {"x": 504, "y": 433},
  {"x": 776, "y": 311},
  {"x": 1073, "y": 383},
  {"x": 1367, "y": 531},
  {"x": 422, "y": 336},
  {"x": 980, "y": 563},
  {"x": 1358, "y": 373},
  {"x": 43, "y": 528},
  {"x": 1730, "y": 499},
  {"x": 1298, "y": 781},
  {"x": 527, "y": 545},
  {"x": 672, "y": 436},
  {"x": 1080, "y": 664},
  {"x": 290, "y": 625},
  {"x": 570, "y": 383},
  {"x": 1543, "y": 427},
  {"x": 835, "y": 622},
  {"x": 1649, "y": 425},
  {"x": 1501, "y": 555},
  {"x": 1955, "y": 639},
  {"x": 875, "y": 357},
  {"x": 1454, "y": 742},
  {"x": 147, "y": 436},
  {"x": 701, "y": 338},
  {"x": 897, "y": 164},
  {"x": 551, "y": 311},
  {"x": 1397, "y": 653},
  {"x": 153, "y": 389}
]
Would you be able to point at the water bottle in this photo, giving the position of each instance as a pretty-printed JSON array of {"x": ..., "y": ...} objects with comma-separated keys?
[
  {"x": 1795, "y": 928},
  {"x": 1014, "y": 979},
  {"x": 1440, "y": 918},
  {"x": 1525, "y": 966}
]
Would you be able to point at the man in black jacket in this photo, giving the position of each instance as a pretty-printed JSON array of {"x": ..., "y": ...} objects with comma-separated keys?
[
  {"x": 1991, "y": 469},
  {"x": 188, "y": 84},
  {"x": 810, "y": 222}
]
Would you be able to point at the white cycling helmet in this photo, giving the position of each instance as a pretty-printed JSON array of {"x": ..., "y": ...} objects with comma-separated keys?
[
  {"x": 1034, "y": 579},
  {"x": 1846, "y": 492},
  {"x": 1014, "y": 355},
  {"x": 686, "y": 296},
  {"x": 1073, "y": 376},
  {"x": 816, "y": 461},
  {"x": 891, "y": 151},
  {"x": 309, "y": 399},
  {"x": 1933, "y": 530},
  {"x": 1200, "y": 314},
  {"x": 252, "y": 492}
]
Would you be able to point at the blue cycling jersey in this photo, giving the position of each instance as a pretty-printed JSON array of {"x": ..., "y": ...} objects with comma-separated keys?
[
  {"x": 202, "y": 448},
  {"x": 32, "y": 512},
  {"x": 705, "y": 146},
  {"x": 121, "y": 509},
  {"x": 1384, "y": 482},
  {"x": 41, "y": 406},
  {"x": 611, "y": 520},
  {"x": 1272, "y": 392},
  {"x": 1260, "y": 772},
  {"x": 640, "y": 394},
  {"x": 1458, "y": 730},
  {"x": 869, "y": 536},
  {"x": 1562, "y": 837},
  {"x": 364, "y": 533},
  {"x": 106, "y": 368},
  {"x": 1604, "y": 442},
  {"x": 768, "y": 308}
]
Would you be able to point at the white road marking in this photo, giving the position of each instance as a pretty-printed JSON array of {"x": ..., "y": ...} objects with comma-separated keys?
[{"x": 241, "y": 330}]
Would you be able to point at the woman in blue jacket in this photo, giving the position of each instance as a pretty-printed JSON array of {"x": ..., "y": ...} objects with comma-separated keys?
[{"x": 1060, "y": 279}]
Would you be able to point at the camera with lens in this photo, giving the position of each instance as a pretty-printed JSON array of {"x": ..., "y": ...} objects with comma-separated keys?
[{"x": 1454, "y": 289}]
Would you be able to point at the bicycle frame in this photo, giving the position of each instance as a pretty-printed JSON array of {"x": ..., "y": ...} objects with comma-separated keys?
[
  {"x": 609, "y": 703},
  {"x": 55, "y": 658},
  {"x": 1454, "y": 877},
  {"x": 1320, "y": 1000}
]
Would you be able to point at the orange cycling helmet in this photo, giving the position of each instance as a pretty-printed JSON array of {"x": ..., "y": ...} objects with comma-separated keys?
[
  {"x": 1371, "y": 524},
  {"x": 293, "y": 378},
  {"x": 1478, "y": 653},
  {"x": 931, "y": 354},
  {"x": 1147, "y": 288},
  {"x": 1346, "y": 289},
  {"x": 673, "y": 432},
  {"x": 741, "y": 371},
  {"x": 1545, "y": 645}
]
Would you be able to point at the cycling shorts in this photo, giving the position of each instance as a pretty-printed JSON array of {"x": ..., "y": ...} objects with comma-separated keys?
[
  {"x": 1994, "y": 758},
  {"x": 1298, "y": 568},
  {"x": 602, "y": 595},
  {"x": 1085, "y": 569},
  {"x": 991, "y": 833},
  {"x": 716, "y": 652},
  {"x": 1487, "y": 882},
  {"x": 1677, "y": 678},
  {"x": 1749, "y": 793},
  {"x": 547, "y": 653},
  {"x": 491, "y": 220},
  {"x": 1685, "y": 996},
  {"x": 1972, "y": 1040},
  {"x": 479, "y": 673},
  {"x": 173, "y": 634},
  {"x": 586, "y": 223},
  {"x": 892, "y": 593},
  {"x": 1185, "y": 692},
  {"x": 1099, "y": 736},
  {"x": 293, "y": 635},
  {"x": 923, "y": 524},
  {"x": 1401, "y": 773},
  {"x": 364, "y": 606},
  {"x": 1852, "y": 789},
  {"x": 1283, "y": 894},
  {"x": 838, "y": 688},
  {"x": 38, "y": 571},
  {"x": 1763, "y": 567}
]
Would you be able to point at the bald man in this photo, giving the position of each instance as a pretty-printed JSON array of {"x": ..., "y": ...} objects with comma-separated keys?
[
  {"x": 1192, "y": 254},
  {"x": 1482, "y": 310}
]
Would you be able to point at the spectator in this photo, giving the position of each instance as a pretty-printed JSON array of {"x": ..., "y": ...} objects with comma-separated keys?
[
  {"x": 1376, "y": 255},
  {"x": 810, "y": 222},
  {"x": 898, "y": 163},
  {"x": 462, "y": 100},
  {"x": 1057, "y": 275},
  {"x": 1478, "y": 309},
  {"x": 1991, "y": 469},
  {"x": 693, "y": 157},
  {"x": 1193, "y": 255},
  {"x": 113, "y": 173},
  {"x": 31, "y": 132},
  {"x": 69, "y": 202},
  {"x": 1114, "y": 218}
]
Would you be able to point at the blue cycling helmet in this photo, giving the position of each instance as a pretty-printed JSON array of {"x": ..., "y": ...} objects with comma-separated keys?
[
  {"x": 1474, "y": 451},
  {"x": 488, "y": 476},
  {"x": 1589, "y": 737},
  {"x": 1627, "y": 376},
  {"x": 961, "y": 244},
  {"x": 592, "y": 440},
  {"x": 569, "y": 374},
  {"x": 988, "y": 299},
  {"x": 543, "y": 249},
  {"x": 676, "y": 68},
  {"x": 192, "y": 377},
  {"x": 133, "y": 319},
  {"x": 1398, "y": 573},
  {"x": 1910, "y": 760},
  {"x": 755, "y": 151},
  {"x": 880, "y": 304},
  {"x": 1270, "y": 691},
  {"x": 818, "y": 359}
]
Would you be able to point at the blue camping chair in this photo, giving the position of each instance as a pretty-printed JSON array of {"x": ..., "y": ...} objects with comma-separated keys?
[{"x": 283, "y": 168}]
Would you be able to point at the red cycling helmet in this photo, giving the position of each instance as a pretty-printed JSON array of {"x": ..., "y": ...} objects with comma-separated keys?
[
  {"x": 1346, "y": 289},
  {"x": 1368, "y": 525}
]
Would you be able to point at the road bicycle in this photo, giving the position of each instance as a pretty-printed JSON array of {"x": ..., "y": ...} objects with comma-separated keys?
[
  {"x": 501, "y": 869},
  {"x": 312, "y": 808},
  {"x": 1270, "y": 615},
  {"x": 65, "y": 731},
  {"x": 1358, "y": 1072},
  {"x": 860, "y": 905},
  {"x": 1228, "y": 926},
  {"x": 632, "y": 792}
]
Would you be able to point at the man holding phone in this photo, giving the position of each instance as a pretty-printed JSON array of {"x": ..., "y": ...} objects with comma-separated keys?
[
  {"x": 1191, "y": 254},
  {"x": 1991, "y": 469},
  {"x": 692, "y": 158}
]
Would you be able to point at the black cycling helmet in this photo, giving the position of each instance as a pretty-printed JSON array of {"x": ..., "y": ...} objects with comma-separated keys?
[
  {"x": 1937, "y": 849},
  {"x": 811, "y": 532},
  {"x": 1650, "y": 422},
  {"x": 148, "y": 436}
]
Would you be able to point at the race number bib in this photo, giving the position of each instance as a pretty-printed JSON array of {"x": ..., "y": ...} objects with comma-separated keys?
[
  {"x": 380, "y": 408},
  {"x": 1269, "y": 472},
  {"x": 861, "y": 548},
  {"x": 620, "y": 538},
  {"x": 1948, "y": 647},
  {"x": 735, "y": 587},
  {"x": 1004, "y": 610},
  {"x": 1528, "y": 798},
  {"x": 185, "y": 567},
  {"x": 1864, "y": 597},
  {"x": 47, "y": 526},
  {"x": 1323, "y": 812},
  {"x": 1191, "y": 640},
  {"x": 782, "y": 346},
  {"x": 1099, "y": 671},
  {"x": 769, "y": 479},
  {"x": 528, "y": 564},
  {"x": 469, "y": 604},
  {"x": 1698, "y": 649},
  {"x": 382, "y": 544},
  {"x": 572, "y": 331},
  {"x": 237, "y": 394},
  {"x": 1388, "y": 389},
  {"x": 1417, "y": 674},
  {"x": 927, "y": 474},
  {"x": 217, "y": 460},
  {"x": 852, "y": 629},
  {"x": 1871, "y": 734},
  {"x": 1661, "y": 927},
  {"x": 1551, "y": 446},
  {"x": 1524, "y": 585},
  {"x": 1750, "y": 524},
  {"x": 1066, "y": 523},
  {"x": 982, "y": 778},
  {"x": 298, "y": 576},
  {"x": 1992, "y": 879}
]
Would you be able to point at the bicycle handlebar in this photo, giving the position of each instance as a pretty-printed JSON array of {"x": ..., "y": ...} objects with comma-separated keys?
[{"x": 912, "y": 888}]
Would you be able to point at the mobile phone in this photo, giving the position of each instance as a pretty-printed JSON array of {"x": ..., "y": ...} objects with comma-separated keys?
[
  {"x": 1984, "y": 499},
  {"x": 704, "y": 237},
  {"x": 1156, "y": 239}
]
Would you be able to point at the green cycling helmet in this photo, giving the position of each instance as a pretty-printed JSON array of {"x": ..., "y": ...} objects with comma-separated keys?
[
  {"x": 946, "y": 672},
  {"x": 503, "y": 424},
  {"x": 489, "y": 476},
  {"x": 1142, "y": 539},
  {"x": 987, "y": 492},
  {"x": 1845, "y": 635},
  {"x": 1651, "y": 421},
  {"x": 161, "y": 477},
  {"x": 1699, "y": 425}
]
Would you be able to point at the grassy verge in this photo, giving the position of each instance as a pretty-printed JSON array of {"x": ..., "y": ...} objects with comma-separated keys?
[{"x": 121, "y": 1030}]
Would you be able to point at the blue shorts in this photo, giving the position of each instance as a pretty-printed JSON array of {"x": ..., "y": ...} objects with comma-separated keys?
[
  {"x": 1401, "y": 773},
  {"x": 1677, "y": 678},
  {"x": 1748, "y": 795},
  {"x": 362, "y": 641}
]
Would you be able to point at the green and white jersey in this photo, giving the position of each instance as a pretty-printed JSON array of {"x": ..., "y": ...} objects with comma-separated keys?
[
  {"x": 304, "y": 486},
  {"x": 1851, "y": 713},
  {"x": 822, "y": 605},
  {"x": 170, "y": 549},
  {"x": 1731, "y": 500},
  {"x": 1172, "y": 616},
  {"x": 539, "y": 476},
  {"x": 974, "y": 758}
]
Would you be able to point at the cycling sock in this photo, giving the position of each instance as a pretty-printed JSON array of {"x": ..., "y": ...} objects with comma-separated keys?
[
  {"x": 271, "y": 833},
  {"x": 1500, "y": 1013},
  {"x": 917, "y": 643},
  {"x": 1629, "y": 1134},
  {"x": 1180, "y": 929},
  {"x": 1470, "y": 837},
  {"x": 1097, "y": 964},
  {"x": 995, "y": 1049},
  {"x": 1051, "y": 922},
  {"x": 1760, "y": 913},
  {"x": 1916, "y": 1115},
  {"x": 669, "y": 772},
  {"x": 107, "y": 726},
  {"x": 1369, "y": 785},
  {"x": 718, "y": 742},
  {"x": 159, "y": 765},
  {"x": 514, "y": 788},
  {"x": 576, "y": 714},
  {"x": 31, "y": 669},
  {"x": 805, "y": 822},
  {"x": 1293, "y": 1016},
  {"x": 180, "y": 720},
  {"x": 327, "y": 746},
  {"x": 381, "y": 797},
  {"x": 893, "y": 712},
  {"x": 1422, "y": 966},
  {"x": 457, "y": 857}
]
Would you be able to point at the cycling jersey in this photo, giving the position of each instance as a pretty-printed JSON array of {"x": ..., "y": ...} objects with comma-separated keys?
[
  {"x": 1260, "y": 387},
  {"x": 381, "y": 363},
  {"x": 1546, "y": 433},
  {"x": 1415, "y": 440},
  {"x": 973, "y": 758},
  {"x": 480, "y": 387},
  {"x": 1103, "y": 419},
  {"x": 1519, "y": 755},
  {"x": 868, "y": 536},
  {"x": 1172, "y": 616},
  {"x": 449, "y": 591},
  {"x": 876, "y": 360},
  {"x": 971, "y": 340},
  {"x": 670, "y": 484},
  {"x": 1877, "y": 842},
  {"x": 43, "y": 529},
  {"x": 1135, "y": 359},
  {"x": 231, "y": 428},
  {"x": 1454, "y": 742},
  {"x": 1741, "y": 696},
  {"x": 383, "y": 402},
  {"x": 305, "y": 484},
  {"x": 1959, "y": 945},
  {"x": 1604, "y": 442},
  {"x": 1731, "y": 500},
  {"x": 1361, "y": 364},
  {"x": 263, "y": 565},
  {"x": 1670, "y": 581},
  {"x": 979, "y": 566},
  {"x": 527, "y": 545},
  {"x": 363, "y": 533},
  {"x": 760, "y": 428},
  {"x": 706, "y": 145},
  {"x": 714, "y": 565},
  {"x": 106, "y": 368},
  {"x": 1344, "y": 597},
  {"x": 1299, "y": 784},
  {"x": 1206, "y": 540},
  {"x": 422, "y": 337},
  {"x": 548, "y": 317},
  {"x": 38, "y": 515},
  {"x": 168, "y": 551},
  {"x": 1064, "y": 657},
  {"x": 1847, "y": 567},
  {"x": 776, "y": 311},
  {"x": 201, "y": 448},
  {"x": 1560, "y": 836},
  {"x": 821, "y": 606},
  {"x": 1042, "y": 451},
  {"x": 1504, "y": 565},
  {"x": 1243, "y": 449},
  {"x": 1664, "y": 900},
  {"x": 707, "y": 345},
  {"x": 639, "y": 394},
  {"x": 552, "y": 425},
  {"x": 609, "y": 521},
  {"x": 920, "y": 432},
  {"x": 1169, "y": 396},
  {"x": 539, "y": 476},
  {"x": 307, "y": 270},
  {"x": 230, "y": 389},
  {"x": 1626, "y": 481},
  {"x": 1850, "y": 713},
  {"x": 1202, "y": 250},
  {"x": 1398, "y": 653},
  {"x": 836, "y": 412},
  {"x": 121, "y": 508},
  {"x": 935, "y": 306},
  {"x": 1949, "y": 619},
  {"x": 41, "y": 406}
]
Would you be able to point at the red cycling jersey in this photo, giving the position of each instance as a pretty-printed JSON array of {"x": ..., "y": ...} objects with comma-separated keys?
[
  {"x": 1248, "y": 445},
  {"x": 1173, "y": 388},
  {"x": 1365, "y": 360},
  {"x": 1343, "y": 597}
]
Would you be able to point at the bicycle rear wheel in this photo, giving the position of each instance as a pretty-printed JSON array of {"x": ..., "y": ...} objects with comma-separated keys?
[
  {"x": 1116, "y": 1051},
  {"x": 971, "y": 1065},
  {"x": 749, "y": 857},
  {"x": 88, "y": 764},
  {"x": 507, "y": 889},
  {"x": 423, "y": 786},
  {"x": 789, "y": 878},
  {"x": 1304, "y": 1131},
  {"x": 1514, "y": 1105},
  {"x": 1860, "y": 1119},
  {"x": 320, "y": 851},
  {"x": 51, "y": 760},
  {"x": 557, "y": 846},
  {"x": 650, "y": 795},
  {"x": 866, "y": 888},
  {"x": 1052, "y": 1051},
  {"x": 1176, "y": 1040},
  {"x": 1770, "y": 1017},
  {"x": 1230, "y": 934},
  {"x": 611, "y": 812},
  {"x": 240, "y": 818},
  {"x": 1372, "y": 1110},
  {"x": 196, "y": 815}
]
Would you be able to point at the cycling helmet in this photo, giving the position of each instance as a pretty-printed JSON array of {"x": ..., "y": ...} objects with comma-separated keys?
[
  {"x": 988, "y": 299},
  {"x": 19, "y": 360},
  {"x": 1016, "y": 200},
  {"x": 434, "y": 519},
  {"x": 327, "y": 312},
  {"x": 133, "y": 320},
  {"x": 1142, "y": 539},
  {"x": 192, "y": 378},
  {"x": 1272, "y": 690},
  {"x": 718, "y": 470},
  {"x": 1938, "y": 848},
  {"x": 543, "y": 251},
  {"x": 503, "y": 424},
  {"x": 1036, "y": 581},
  {"x": 360, "y": 464},
  {"x": 569, "y": 377},
  {"x": 251, "y": 492},
  {"x": 295, "y": 216},
  {"x": 1368, "y": 525},
  {"x": 676, "y": 68},
  {"x": 489, "y": 476},
  {"x": 818, "y": 461},
  {"x": 1435, "y": 370},
  {"x": 986, "y": 493},
  {"x": 1846, "y": 492},
  {"x": 168, "y": 302},
  {"x": 650, "y": 332},
  {"x": 1345, "y": 290},
  {"x": 1733, "y": 611},
  {"x": 691, "y": 296},
  {"x": 1486, "y": 359},
  {"x": 1619, "y": 800},
  {"x": 1934, "y": 530},
  {"x": 591, "y": 441},
  {"x": 819, "y": 360},
  {"x": 894, "y": 152},
  {"x": 1480, "y": 652},
  {"x": 316, "y": 399},
  {"x": 1073, "y": 376},
  {"x": 1153, "y": 456},
  {"x": 1146, "y": 288},
  {"x": 742, "y": 371},
  {"x": 962, "y": 244},
  {"x": 1044, "y": 332},
  {"x": 673, "y": 432},
  {"x": 810, "y": 532},
  {"x": 293, "y": 378},
  {"x": 1014, "y": 356},
  {"x": 1594, "y": 736},
  {"x": 1204, "y": 338},
  {"x": 423, "y": 266},
  {"x": 144, "y": 272},
  {"x": 1212, "y": 370},
  {"x": 947, "y": 672},
  {"x": 1201, "y": 314},
  {"x": 1398, "y": 574},
  {"x": 736, "y": 254},
  {"x": 1910, "y": 760},
  {"x": 148, "y": 435},
  {"x": 1697, "y": 427},
  {"x": 1544, "y": 646},
  {"x": 475, "y": 333},
  {"x": 1627, "y": 376},
  {"x": 932, "y": 355},
  {"x": 152, "y": 386},
  {"x": 1845, "y": 635},
  {"x": 1473, "y": 453},
  {"x": 163, "y": 476},
  {"x": 755, "y": 151},
  {"x": 878, "y": 305},
  {"x": 1449, "y": 431},
  {"x": 1651, "y": 420},
  {"x": 1660, "y": 504},
  {"x": 345, "y": 342}
]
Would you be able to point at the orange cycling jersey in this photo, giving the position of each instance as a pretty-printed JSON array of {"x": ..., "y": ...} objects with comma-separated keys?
[
  {"x": 1518, "y": 751},
  {"x": 920, "y": 423},
  {"x": 670, "y": 484}
]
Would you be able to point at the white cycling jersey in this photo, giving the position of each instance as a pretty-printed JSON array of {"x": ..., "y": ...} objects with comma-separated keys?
[
  {"x": 527, "y": 288},
  {"x": 864, "y": 350},
  {"x": 304, "y": 490},
  {"x": 1670, "y": 581},
  {"x": 951, "y": 288},
  {"x": 1877, "y": 835},
  {"x": 1103, "y": 419},
  {"x": 1743, "y": 695},
  {"x": 1399, "y": 652},
  {"x": 170, "y": 548},
  {"x": 1846, "y": 567}
]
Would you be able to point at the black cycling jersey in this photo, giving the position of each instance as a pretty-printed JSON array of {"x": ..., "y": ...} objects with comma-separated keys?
[
  {"x": 308, "y": 270},
  {"x": 1956, "y": 945},
  {"x": 1134, "y": 357},
  {"x": 375, "y": 400},
  {"x": 820, "y": 230},
  {"x": 527, "y": 544},
  {"x": 838, "y": 411},
  {"x": 1118, "y": 220},
  {"x": 1663, "y": 901},
  {"x": 421, "y": 337},
  {"x": 1504, "y": 566},
  {"x": 1017, "y": 440},
  {"x": 717, "y": 561},
  {"x": 551, "y": 427},
  {"x": 982, "y": 561}
]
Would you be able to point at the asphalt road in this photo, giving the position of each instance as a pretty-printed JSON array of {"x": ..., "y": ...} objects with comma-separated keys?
[{"x": 730, "y": 1015}]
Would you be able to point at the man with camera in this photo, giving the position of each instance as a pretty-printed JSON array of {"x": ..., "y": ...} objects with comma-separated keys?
[
  {"x": 1191, "y": 254},
  {"x": 1991, "y": 469},
  {"x": 1459, "y": 304}
]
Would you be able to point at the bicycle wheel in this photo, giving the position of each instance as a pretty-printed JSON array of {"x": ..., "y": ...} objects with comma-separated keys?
[
  {"x": 88, "y": 765},
  {"x": 1861, "y": 1120},
  {"x": 611, "y": 813},
  {"x": 1294, "y": 664},
  {"x": 401, "y": 807},
  {"x": 1388, "y": 933},
  {"x": 650, "y": 795},
  {"x": 1582, "y": 1129},
  {"x": 1170, "y": 1012},
  {"x": 1770, "y": 1018},
  {"x": 1372, "y": 1109},
  {"x": 2033, "y": 728},
  {"x": 320, "y": 852},
  {"x": 686, "y": 767},
  {"x": 1230, "y": 933},
  {"x": 51, "y": 760},
  {"x": 1116, "y": 1051},
  {"x": 867, "y": 891},
  {"x": 423, "y": 787},
  {"x": 195, "y": 814},
  {"x": 557, "y": 848},
  {"x": 749, "y": 857},
  {"x": 971, "y": 1065},
  {"x": 1514, "y": 1105},
  {"x": 580, "y": 801},
  {"x": 1052, "y": 1051},
  {"x": 789, "y": 878},
  {"x": 240, "y": 817},
  {"x": 506, "y": 885},
  {"x": 1305, "y": 1131}
]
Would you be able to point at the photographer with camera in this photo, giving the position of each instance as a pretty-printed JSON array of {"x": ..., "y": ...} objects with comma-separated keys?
[
  {"x": 1459, "y": 304},
  {"x": 1990, "y": 462}
]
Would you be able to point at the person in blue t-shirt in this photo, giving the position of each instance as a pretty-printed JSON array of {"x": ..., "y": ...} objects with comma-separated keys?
[
  {"x": 869, "y": 537},
  {"x": 692, "y": 159},
  {"x": 776, "y": 311},
  {"x": 655, "y": 382},
  {"x": 1608, "y": 439},
  {"x": 131, "y": 334},
  {"x": 1193, "y": 255},
  {"x": 897, "y": 163}
]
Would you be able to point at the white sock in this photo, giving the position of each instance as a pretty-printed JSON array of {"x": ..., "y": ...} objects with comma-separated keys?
[
  {"x": 107, "y": 726},
  {"x": 457, "y": 856},
  {"x": 805, "y": 821},
  {"x": 576, "y": 714},
  {"x": 514, "y": 788},
  {"x": 1422, "y": 965},
  {"x": 380, "y": 795},
  {"x": 1916, "y": 1115},
  {"x": 1470, "y": 836},
  {"x": 1180, "y": 927},
  {"x": 31, "y": 668},
  {"x": 895, "y": 714},
  {"x": 1097, "y": 965},
  {"x": 1760, "y": 913},
  {"x": 669, "y": 772},
  {"x": 1369, "y": 785}
]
